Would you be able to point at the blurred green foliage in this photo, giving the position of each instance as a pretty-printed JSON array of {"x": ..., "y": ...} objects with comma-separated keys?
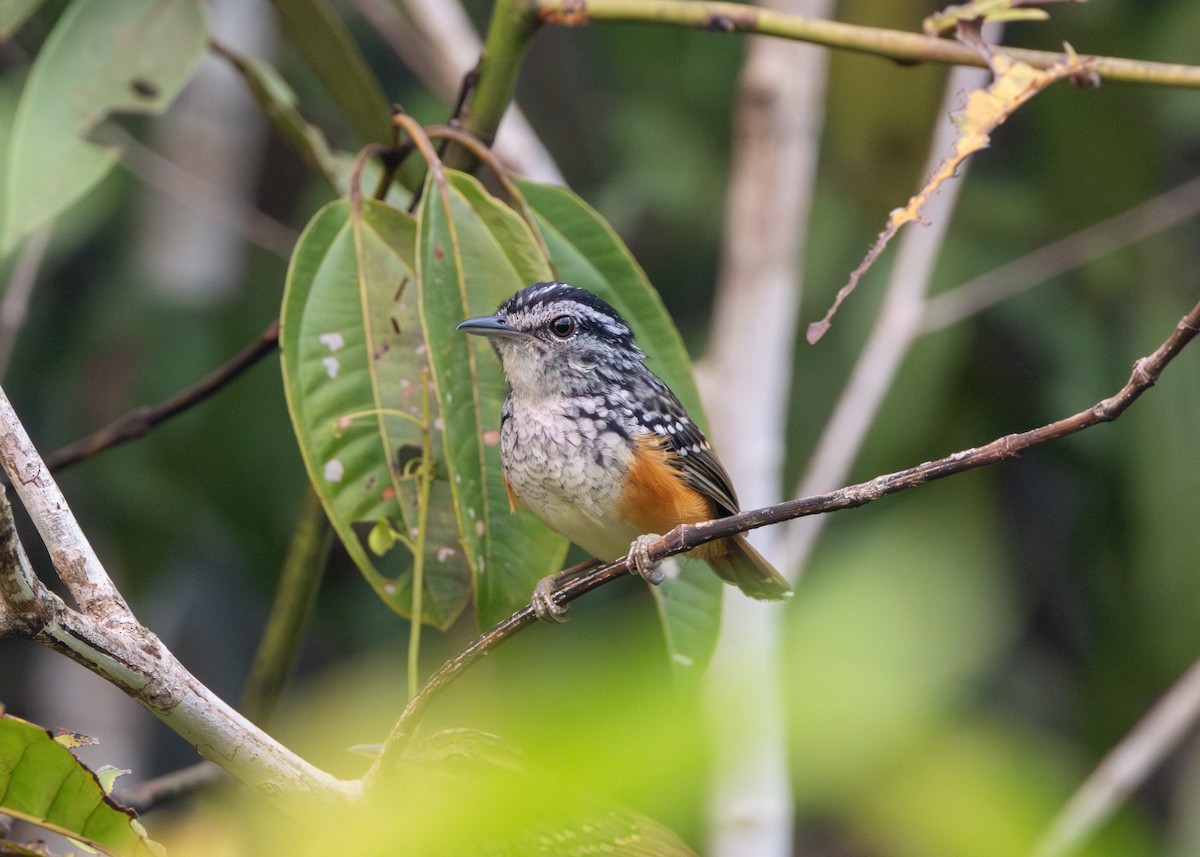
[{"x": 958, "y": 657}]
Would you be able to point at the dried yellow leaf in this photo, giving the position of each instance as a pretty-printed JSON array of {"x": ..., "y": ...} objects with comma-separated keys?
[{"x": 1013, "y": 84}]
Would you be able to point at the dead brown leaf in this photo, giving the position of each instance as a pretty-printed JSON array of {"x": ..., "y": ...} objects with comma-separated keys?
[{"x": 1013, "y": 84}]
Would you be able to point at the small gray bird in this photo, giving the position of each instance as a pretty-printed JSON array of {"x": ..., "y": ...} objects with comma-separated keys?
[{"x": 597, "y": 446}]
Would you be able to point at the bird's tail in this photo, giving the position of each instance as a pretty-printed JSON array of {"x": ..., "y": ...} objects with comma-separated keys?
[{"x": 746, "y": 569}]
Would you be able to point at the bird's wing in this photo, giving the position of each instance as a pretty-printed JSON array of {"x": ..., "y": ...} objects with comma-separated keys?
[{"x": 693, "y": 455}]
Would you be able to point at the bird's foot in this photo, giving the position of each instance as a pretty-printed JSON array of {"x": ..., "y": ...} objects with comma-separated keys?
[
  {"x": 544, "y": 605},
  {"x": 639, "y": 553},
  {"x": 542, "y": 601}
]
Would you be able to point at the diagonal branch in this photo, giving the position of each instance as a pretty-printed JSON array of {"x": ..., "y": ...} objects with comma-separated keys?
[
  {"x": 893, "y": 332},
  {"x": 1125, "y": 767},
  {"x": 1155, "y": 215},
  {"x": 140, "y": 421},
  {"x": 104, "y": 636},
  {"x": 72, "y": 555},
  {"x": 686, "y": 537}
]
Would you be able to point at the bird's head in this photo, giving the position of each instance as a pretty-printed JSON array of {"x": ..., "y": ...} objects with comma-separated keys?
[{"x": 554, "y": 339}]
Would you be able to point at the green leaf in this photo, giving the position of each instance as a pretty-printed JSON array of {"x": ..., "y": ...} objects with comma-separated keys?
[
  {"x": 327, "y": 48},
  {"x": 13, "y": 13},
  {"x": 473, "y": 253},
  {"x": 103, "y": 57},
  {"x": 689, "y": 607},
  {"x": 585, "y": 252},
  {"x": 354, "y": 363},
  {"x": 42, "y": 783}
]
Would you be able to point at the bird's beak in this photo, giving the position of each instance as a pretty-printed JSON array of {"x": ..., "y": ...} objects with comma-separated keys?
[{"x": 490, "y": 326}]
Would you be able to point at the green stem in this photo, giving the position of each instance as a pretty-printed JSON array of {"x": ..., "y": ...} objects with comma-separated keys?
[
  {"x": 512, "y": 25},
  {"x": 294, "y": 599},
  {"x": 893, "y": 44},
  {"x": 418, "y": 549}
]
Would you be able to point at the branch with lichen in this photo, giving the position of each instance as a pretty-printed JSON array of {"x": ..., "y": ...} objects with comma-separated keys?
[
  {"x": 101, "y": 633},
  {"x": 898, "y": 45}
]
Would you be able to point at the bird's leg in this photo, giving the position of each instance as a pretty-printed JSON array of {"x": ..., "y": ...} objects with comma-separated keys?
[
  {"x": 543, "y": 601},
  {"x": 639, "y": 552}
]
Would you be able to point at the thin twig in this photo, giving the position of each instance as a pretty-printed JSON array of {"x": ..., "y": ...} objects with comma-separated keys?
[
  {"x": 197, "y": 194},
  {"x": 690, "y": 536},
  {"x": 1125, "y": 767},
  {"x": 896, "y": 327},
  {"x": 140, "y": 421},
  {"x": 893, "y": 44},
  {"x": 488, "y": 157},
  {"x": 1058, "y": 257},
  {"x": 425, "y": 146},
  {"x": 147, "y": 795}
]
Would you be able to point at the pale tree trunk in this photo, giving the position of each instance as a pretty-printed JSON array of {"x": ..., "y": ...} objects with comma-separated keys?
[
  {"x": 754, "y": 335},
  {"x": 745, "y": 380}
]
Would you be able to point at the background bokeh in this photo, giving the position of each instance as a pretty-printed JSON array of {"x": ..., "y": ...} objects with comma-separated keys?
[{"x": 958, "y": 657}]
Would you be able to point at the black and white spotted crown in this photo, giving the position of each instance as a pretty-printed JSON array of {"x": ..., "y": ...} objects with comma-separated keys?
[{"x": 542, "y": 299}]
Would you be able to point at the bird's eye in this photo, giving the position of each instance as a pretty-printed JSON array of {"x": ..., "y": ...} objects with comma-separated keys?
[{"x": 563, "y": 326}]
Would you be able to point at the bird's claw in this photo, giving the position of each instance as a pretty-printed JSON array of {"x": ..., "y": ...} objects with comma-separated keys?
[
  {"x": 639, "y": 553},
  {"x": 544, "y": 605}
]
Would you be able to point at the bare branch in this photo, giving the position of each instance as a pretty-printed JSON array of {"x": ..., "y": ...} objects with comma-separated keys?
[
  {"x": 197, "y": 194},
  {"x": 149, "y": 794},
  {"x": 134, "y": 660},
  {"x": 896, "y": 327},
  {"x": 74, "y": 560},
  {"x": 689, "y": 536},
  {"x": 1145, "y": 375},
  {"x": 1058, "y": 257},
  {"x": 893, "y": 44},
  {"x": 105, "y": 636},
  {"x": 1125, "y": 767},
  {"x": 140, "y": 421}
]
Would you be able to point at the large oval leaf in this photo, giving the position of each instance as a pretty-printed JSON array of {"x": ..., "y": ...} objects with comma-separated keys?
[
  {"x": 585, "y": 252},
  {"x": 355, "y": 370},
  {"x": 42, "y": 783},
  {"x": 474, "y": 253},
  {"x": 103, "y": 57}
]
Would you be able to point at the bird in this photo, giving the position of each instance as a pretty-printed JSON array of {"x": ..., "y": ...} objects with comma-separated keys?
[{"x": 598, "y": 447}]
